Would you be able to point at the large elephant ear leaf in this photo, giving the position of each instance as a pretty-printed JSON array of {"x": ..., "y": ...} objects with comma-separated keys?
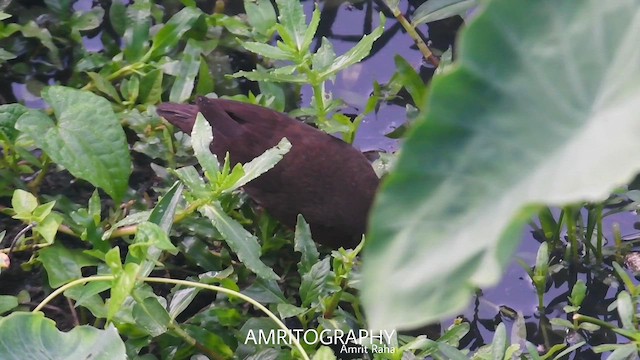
[
  {"x": 32, "y": 336},
  {"x": 541, "y": 109},
  {"x": 87, "y": 138}
]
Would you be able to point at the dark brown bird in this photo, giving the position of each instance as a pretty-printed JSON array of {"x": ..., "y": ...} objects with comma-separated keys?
[{"x": 323, "y": 178}]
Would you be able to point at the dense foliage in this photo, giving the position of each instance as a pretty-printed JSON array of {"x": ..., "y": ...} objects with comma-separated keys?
[{"x": 141, "y": 242}]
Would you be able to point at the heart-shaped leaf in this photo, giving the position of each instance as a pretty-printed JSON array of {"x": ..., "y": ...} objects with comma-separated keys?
[
  {"x": 87, "y": 138},
  {"x": 32, "y": 336},
  {"x": 542, "y": 109}
]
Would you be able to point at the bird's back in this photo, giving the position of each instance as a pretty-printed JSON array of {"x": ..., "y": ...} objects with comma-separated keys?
[{"x": 323, "y": 178}]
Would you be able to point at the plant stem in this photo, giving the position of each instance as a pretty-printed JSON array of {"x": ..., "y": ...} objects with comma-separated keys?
[
  {"x": 293, "y": 339},
  {"x": 34, "y": 185},
  {"x": 571, "y": 233},
  {"x": 125, "y": 70},
  {"x": 318, "y": 97},
  {"x": 424, "y": 49},
  {"x": 599, "y": 236}
]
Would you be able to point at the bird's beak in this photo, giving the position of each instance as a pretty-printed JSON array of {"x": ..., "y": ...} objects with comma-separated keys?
[{"x": 180, "y": 115}]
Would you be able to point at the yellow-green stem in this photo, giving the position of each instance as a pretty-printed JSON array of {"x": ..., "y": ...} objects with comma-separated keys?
[
  {"x": 424, "y": 49},
  {"x": 572, "y": 233},
  {"x": 229, "y": 292},
  {"x": 599, "y": 235}
]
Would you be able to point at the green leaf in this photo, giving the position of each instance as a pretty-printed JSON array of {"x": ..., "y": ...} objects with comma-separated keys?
[
  {"x": 324, "y": 353},
  {"x": 268, "y": 51},
  {"x": 118, "y": 17},
  {"x": 234, "y": 25},
  {"x": 626, "y": 279},
  {"x": 578, "y": 293},
  {"x": 34, "y": 337},
  {"x": 434, "y": 10},
  {"x": 87, "y": 139},
  {"x": 173, "y": 30},
  {"x": 261, "y": 16},
  {"x": 89, "y": 20},
  {"x": 310, "y": 32},
  {"x": 187, "y": 71},
  {"x": 162, "y": 216},
  {"x": 446, "y": 223},
  {"x": 201, "y": 138},
  {"x": 42, "y": 211},
  {"x": 288, "y": 310},
  {"x": 314, "y": 282},
  {"x": 241, "y": 242},
  {"x": 6, "y": 55},
  {"x": 32, "y": 30},
  {"x": 9, "y": 115},
  {"x": 451, "y": 353},
  {"x": 60, "y": 7},
  {"x": 113, "y": 260},
  {"x": 356, "y": 53},
  {"x": 455, "y": 333},
  {"x": 48, "y": 227},
  {"x": 91, "y": 61},
  {"x": 151, "y": 316},
  {"x": 121, "y": 288},
  {"x": 210, "y": 340},
  {"x": 265, "y": 292},
  {"x": 63, "y": 265},
  {"x": 623, "y": 352},
  {"x": 303, "y": 243},
  {"x": 147, "y": 235},
  {"x": 94, "y": 207},
  {"x": 561, "y": 323},
  {"x": 190, "y": 177},
  {"x": 197, "y": 252},
  {"x": 136, "y": 35},
  {"x": 104, "y": 86},
  {"x": 260, "y": 165},
  {"x": 625, "y": 310},
  {"x": 23, "y": 202},
  {"x": 293, "y": 23},
  {"x": 324, "y": 57},
  {"x": 130, "y": 89},
  {"x": 151, "y": 87},
  {"x": 499, "y": 343},
  {"x": 205, "y": 83},
  {"x": 273, "y": 96},
  {"x": 8, "y": 303},
  {"x": 411, "y": 80},
  {"x": 88, "y": 296},
  {"x": 257, "y": 75},
  {"x": 542, "y": 262}
]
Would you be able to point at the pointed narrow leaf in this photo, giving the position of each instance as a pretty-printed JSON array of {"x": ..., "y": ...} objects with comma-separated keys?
[
  {"x": 262, "y": 164},
  {"x": 201, "y": 138},
  {"x": 187, "y": 71},
  {"x": 292, "y": 23},
  {"x": 267, "y": 51},
  {"x": 241, "y": 242},
  {"x": 357, "y": 53},
  {"x": 433, "y": 10},
  {"x": 173, "y": 30}
]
